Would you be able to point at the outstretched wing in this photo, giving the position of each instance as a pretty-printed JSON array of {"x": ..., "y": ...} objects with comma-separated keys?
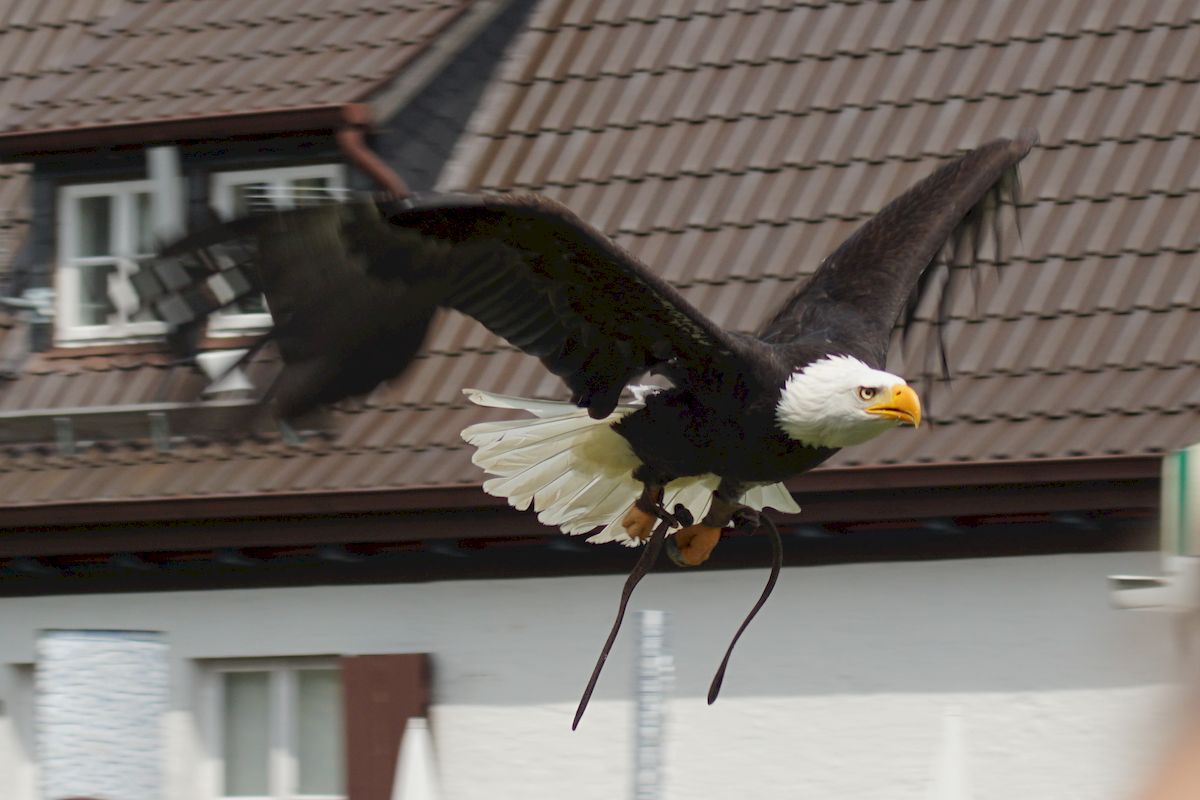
[
  {"x": 352, "y": 288},
  {"x": 860, "y": 292}
]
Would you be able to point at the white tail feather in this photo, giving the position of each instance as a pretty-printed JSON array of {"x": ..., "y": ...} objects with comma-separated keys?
[
  {"x": 577, "y": 472},
  {"x": 771, "y": 495},
  {"x": 539, "y": 408}
]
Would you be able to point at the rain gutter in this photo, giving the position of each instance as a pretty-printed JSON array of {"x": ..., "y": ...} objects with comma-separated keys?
[
  {"x": 463, "y": 510},
  {"x": 29, "y": 144},
  {"x": 354, "y": 147},
  {"x": 346, "y": 121}
]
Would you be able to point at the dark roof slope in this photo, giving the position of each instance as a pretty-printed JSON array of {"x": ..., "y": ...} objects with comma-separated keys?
[{"x": 731, "y": 146}]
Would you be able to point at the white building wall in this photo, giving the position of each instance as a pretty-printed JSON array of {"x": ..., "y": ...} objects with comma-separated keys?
[{"x": 839, "y": 689}]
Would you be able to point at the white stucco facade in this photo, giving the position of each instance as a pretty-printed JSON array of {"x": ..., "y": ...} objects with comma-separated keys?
[{"x": 842, "y": 688}]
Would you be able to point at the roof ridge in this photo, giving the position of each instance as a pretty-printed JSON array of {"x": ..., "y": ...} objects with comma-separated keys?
[
  {"x": 958, "y": 371},
  {"x": 864, "y": 215},
  {"x": 273, "y": 52},
  {"x": 824, "y": 163},
  {"x": 711, "y": 14},
  {"x": 850, "y": 106},
  {"x": 702, "y": 13},
  {"x": 135, "y": 452},
  {"x": 967, "y": 418},
  {"x": 172, "y": 26},
  {"x": 836, "y": 54}
]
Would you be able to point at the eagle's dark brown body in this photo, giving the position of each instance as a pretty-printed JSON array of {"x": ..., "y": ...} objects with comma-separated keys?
[{"x": 725, "y": 425}]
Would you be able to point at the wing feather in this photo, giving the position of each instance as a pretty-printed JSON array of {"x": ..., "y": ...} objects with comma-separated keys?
[
  {"x": 874, "y": 280},
  {"x": 352, "y": 288},
  {"x": 592, "y": 313}
]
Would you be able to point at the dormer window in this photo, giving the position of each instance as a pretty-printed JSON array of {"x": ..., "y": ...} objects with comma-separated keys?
[
  {"x": 236, "y": 194},
  {"x": 103, "y": 229}
]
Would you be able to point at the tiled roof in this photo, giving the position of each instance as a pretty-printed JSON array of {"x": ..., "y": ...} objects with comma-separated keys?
[
  {"x": 36, "y": 39},
  {"x": 731, "y": 145},
  {"x": 193, "y": 58}
]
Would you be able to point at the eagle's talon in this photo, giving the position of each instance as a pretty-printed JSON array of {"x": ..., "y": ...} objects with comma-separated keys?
[
  {"x": 692, "y": 546},
  {"x": 638, "y": 524},
  {"x": 673, "y": 553}
]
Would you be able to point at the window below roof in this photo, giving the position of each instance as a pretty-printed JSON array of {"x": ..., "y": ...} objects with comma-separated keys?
[
  {"x": 103, "y": 229},
  {"x": 237, "y": 194},
  {"x": 275, "y": 728}
]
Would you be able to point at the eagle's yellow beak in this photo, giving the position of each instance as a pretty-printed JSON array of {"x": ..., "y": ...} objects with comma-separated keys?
[{"x": 903, "y": 406}]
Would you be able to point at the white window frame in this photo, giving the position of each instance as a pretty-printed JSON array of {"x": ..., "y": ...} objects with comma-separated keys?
[
  {"x": 283, "y": 771},
  {"x": 222, "y": 197},
  {"x": 20, "y": 775},
  {"x": 122, "y": 234}
]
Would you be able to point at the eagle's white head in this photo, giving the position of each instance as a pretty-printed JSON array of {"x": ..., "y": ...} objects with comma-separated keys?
[{"x": 838, "y": 401}]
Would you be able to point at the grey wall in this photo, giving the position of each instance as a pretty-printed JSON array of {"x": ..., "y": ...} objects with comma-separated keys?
[{"x": 838, "y": 690}]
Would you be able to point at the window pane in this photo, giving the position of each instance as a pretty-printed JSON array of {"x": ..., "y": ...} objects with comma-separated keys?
[
  {"x": 251, "y": 197},
  {"x": 94, "y": 226},
  {"x": 143, "y": 220},
  {"x": 246, "y": 726},
  {"x": 310, "y": 191},
  {"x": 95, "y": 305},
  {"x": 319, "y": 731}
]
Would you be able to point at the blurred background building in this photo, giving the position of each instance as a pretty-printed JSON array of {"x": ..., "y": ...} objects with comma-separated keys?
[{"x": 943, "y": 612}]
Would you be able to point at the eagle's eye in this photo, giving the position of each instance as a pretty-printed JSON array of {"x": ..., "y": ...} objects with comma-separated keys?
[{"x": 867, "y": 393}]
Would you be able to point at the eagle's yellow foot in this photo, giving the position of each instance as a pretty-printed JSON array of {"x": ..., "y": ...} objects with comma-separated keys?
[
  {"x": 639, "y": 524},
  {"x": 693, "y": 545}
]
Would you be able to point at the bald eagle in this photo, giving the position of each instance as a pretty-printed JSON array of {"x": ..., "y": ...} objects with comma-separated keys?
[{"x": 353, "y": 286}]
